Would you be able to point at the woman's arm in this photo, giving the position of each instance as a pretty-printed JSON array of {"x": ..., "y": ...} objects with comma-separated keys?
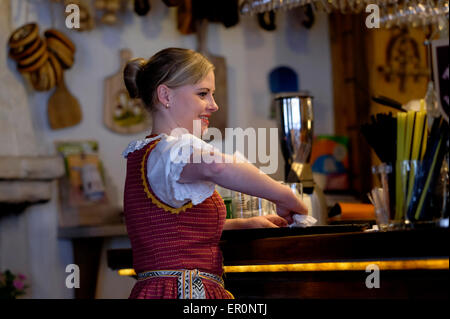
[{"x": 245, "y": 178}]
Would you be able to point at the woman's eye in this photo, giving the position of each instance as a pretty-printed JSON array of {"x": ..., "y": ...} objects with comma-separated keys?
[{"x": 203, "y": 94}]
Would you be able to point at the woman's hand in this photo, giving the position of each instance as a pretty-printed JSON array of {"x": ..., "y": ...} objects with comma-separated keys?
[
  {"x": 268, "y": 221},
  {"x": 290, "y": 204}
]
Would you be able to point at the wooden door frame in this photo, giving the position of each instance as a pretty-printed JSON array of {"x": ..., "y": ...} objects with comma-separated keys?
[{"x": 351, "y": 97}]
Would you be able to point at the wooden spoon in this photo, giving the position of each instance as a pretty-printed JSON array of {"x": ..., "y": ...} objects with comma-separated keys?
[{"x": 63, "y": 108}]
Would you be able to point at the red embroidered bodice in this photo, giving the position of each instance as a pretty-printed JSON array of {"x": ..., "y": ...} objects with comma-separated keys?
[{"x": 166, "y": 238}]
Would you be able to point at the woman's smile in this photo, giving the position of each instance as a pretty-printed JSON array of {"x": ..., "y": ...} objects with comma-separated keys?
[{"x": 205, "y": 120}]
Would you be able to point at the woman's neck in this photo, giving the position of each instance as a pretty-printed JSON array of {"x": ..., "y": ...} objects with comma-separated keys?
[{"x": 162, "y": 123}]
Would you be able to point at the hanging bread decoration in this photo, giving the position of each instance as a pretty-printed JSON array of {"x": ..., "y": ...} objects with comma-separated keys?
[
  {"x": 44, "y": 78},
  {"x": 34, "y": 60},
  {"x": 24, "y": 41},
  {"x": 109, "y": 9},
  {"x": 56, "y": 66},
  {"x": 61, "y": 46},
  {"x": 41, "y": 60},
  {"x": 23, "y": 36}
]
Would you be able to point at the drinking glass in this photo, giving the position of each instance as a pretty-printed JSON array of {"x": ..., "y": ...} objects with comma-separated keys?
[
  {"x": 296, "y": 188},
  {"x": 380, "y": 196},
  {"x": 262, "y": 207},
  {"x": 241, "y": 204},
  {"x": 409, "y": 176}
]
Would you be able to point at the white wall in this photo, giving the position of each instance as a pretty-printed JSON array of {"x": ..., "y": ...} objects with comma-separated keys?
[{"x": 250, "y": 52}]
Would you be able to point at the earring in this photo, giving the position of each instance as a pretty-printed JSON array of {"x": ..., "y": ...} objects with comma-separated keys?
[{"x": 167, "y": 105}]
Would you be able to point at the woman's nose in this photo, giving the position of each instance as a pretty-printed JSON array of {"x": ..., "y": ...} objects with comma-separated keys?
[{"x": 213, "y": 106}]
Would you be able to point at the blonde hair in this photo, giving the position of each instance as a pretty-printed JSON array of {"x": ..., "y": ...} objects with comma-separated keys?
[{"x": 173, "y": 67}]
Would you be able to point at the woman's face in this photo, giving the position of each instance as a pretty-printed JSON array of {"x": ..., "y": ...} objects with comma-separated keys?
[{"x": 194, "y": 102}]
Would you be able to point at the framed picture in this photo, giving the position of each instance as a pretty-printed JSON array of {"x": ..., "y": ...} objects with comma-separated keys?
[
  {"x": 441, "y": 74},
  {"x": 82, "y": 191}
]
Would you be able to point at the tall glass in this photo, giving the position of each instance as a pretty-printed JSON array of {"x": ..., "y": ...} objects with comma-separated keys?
[
  {"x": 406, "y": 177},
  {"x": 296, "y": 188},
  {"x": 380, "y": 197},
  {"x": 262, "y": 207},
  {"x": 242, "y": 207}
]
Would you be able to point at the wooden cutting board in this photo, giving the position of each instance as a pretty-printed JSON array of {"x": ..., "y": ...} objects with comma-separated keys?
[
  {"x": 220, "y": 118},
  {"x": 122, "y": 114},
  {"x": 63, "y": 108}
]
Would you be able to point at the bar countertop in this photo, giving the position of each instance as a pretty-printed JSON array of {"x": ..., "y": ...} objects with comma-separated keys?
[
  {"x": 331, "y": 243},
  {"x": 314, "y": 262},
  {"x": 318, "y": 244}
]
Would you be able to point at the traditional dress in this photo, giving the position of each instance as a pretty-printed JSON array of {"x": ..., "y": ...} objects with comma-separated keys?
[{"x": 174, "y": 228}]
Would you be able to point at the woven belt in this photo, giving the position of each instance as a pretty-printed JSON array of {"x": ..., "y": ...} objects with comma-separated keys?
[{"x": 190, "y": 285}]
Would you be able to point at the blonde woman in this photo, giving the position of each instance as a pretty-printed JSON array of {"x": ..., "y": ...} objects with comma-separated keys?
[{"x": 173, "y": 214}]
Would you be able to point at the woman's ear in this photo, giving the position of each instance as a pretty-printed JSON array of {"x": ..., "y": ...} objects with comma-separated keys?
[{"x": 163, "y": 92}]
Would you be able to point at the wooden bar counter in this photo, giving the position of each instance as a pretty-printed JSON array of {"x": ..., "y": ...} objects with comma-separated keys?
[{"x": 336, "y": 261}]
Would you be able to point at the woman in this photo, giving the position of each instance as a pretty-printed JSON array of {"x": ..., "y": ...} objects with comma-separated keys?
[{"x": 173, "y": 214}]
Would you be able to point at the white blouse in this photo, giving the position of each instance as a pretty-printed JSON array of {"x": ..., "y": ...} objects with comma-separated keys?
[{"x": 165, "y": 164}]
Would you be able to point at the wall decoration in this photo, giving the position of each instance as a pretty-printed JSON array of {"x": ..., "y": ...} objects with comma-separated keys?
[
  {"x": 441, "y": 74},
  {"x": 121, "y": 113},
  {"x": 220, "y": 118},
  {"x": 42, "y": 60},
  {"x": 109, "y": 10},
  {"x": 402, "y": 59},
  {"x": 82, "y": 191},
  {"x": 330, "y": 162}
]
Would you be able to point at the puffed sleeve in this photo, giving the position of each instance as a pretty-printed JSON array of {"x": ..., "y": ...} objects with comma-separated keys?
[{"x": 164, "y": 166}]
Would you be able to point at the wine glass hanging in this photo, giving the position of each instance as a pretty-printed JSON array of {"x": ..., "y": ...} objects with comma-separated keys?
[{"x": 415, "y": 13}]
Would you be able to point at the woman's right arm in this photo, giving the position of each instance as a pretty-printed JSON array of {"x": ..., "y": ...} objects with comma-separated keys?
[{"x": 245, "y": 178}]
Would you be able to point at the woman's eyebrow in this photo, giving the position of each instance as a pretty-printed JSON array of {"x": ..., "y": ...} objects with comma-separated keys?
[{"x": 207, "y": 89}]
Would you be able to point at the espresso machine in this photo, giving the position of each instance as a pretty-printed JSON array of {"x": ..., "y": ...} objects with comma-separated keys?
[{"x": 295, "y": 119}]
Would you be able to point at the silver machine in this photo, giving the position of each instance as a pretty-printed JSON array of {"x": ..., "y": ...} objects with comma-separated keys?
[{"x": 295, "y": 119}]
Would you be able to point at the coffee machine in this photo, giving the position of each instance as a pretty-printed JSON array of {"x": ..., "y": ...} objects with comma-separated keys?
[{"x": 295, "y": 119}]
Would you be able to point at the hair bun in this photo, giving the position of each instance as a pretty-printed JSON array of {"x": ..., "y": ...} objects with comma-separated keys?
[{"x": 131, "y": 75}]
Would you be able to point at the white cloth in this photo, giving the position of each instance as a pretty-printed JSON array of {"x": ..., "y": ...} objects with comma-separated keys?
[
  {"x": 303, "y": 221},
  {"x": 165, "y": 164}
]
